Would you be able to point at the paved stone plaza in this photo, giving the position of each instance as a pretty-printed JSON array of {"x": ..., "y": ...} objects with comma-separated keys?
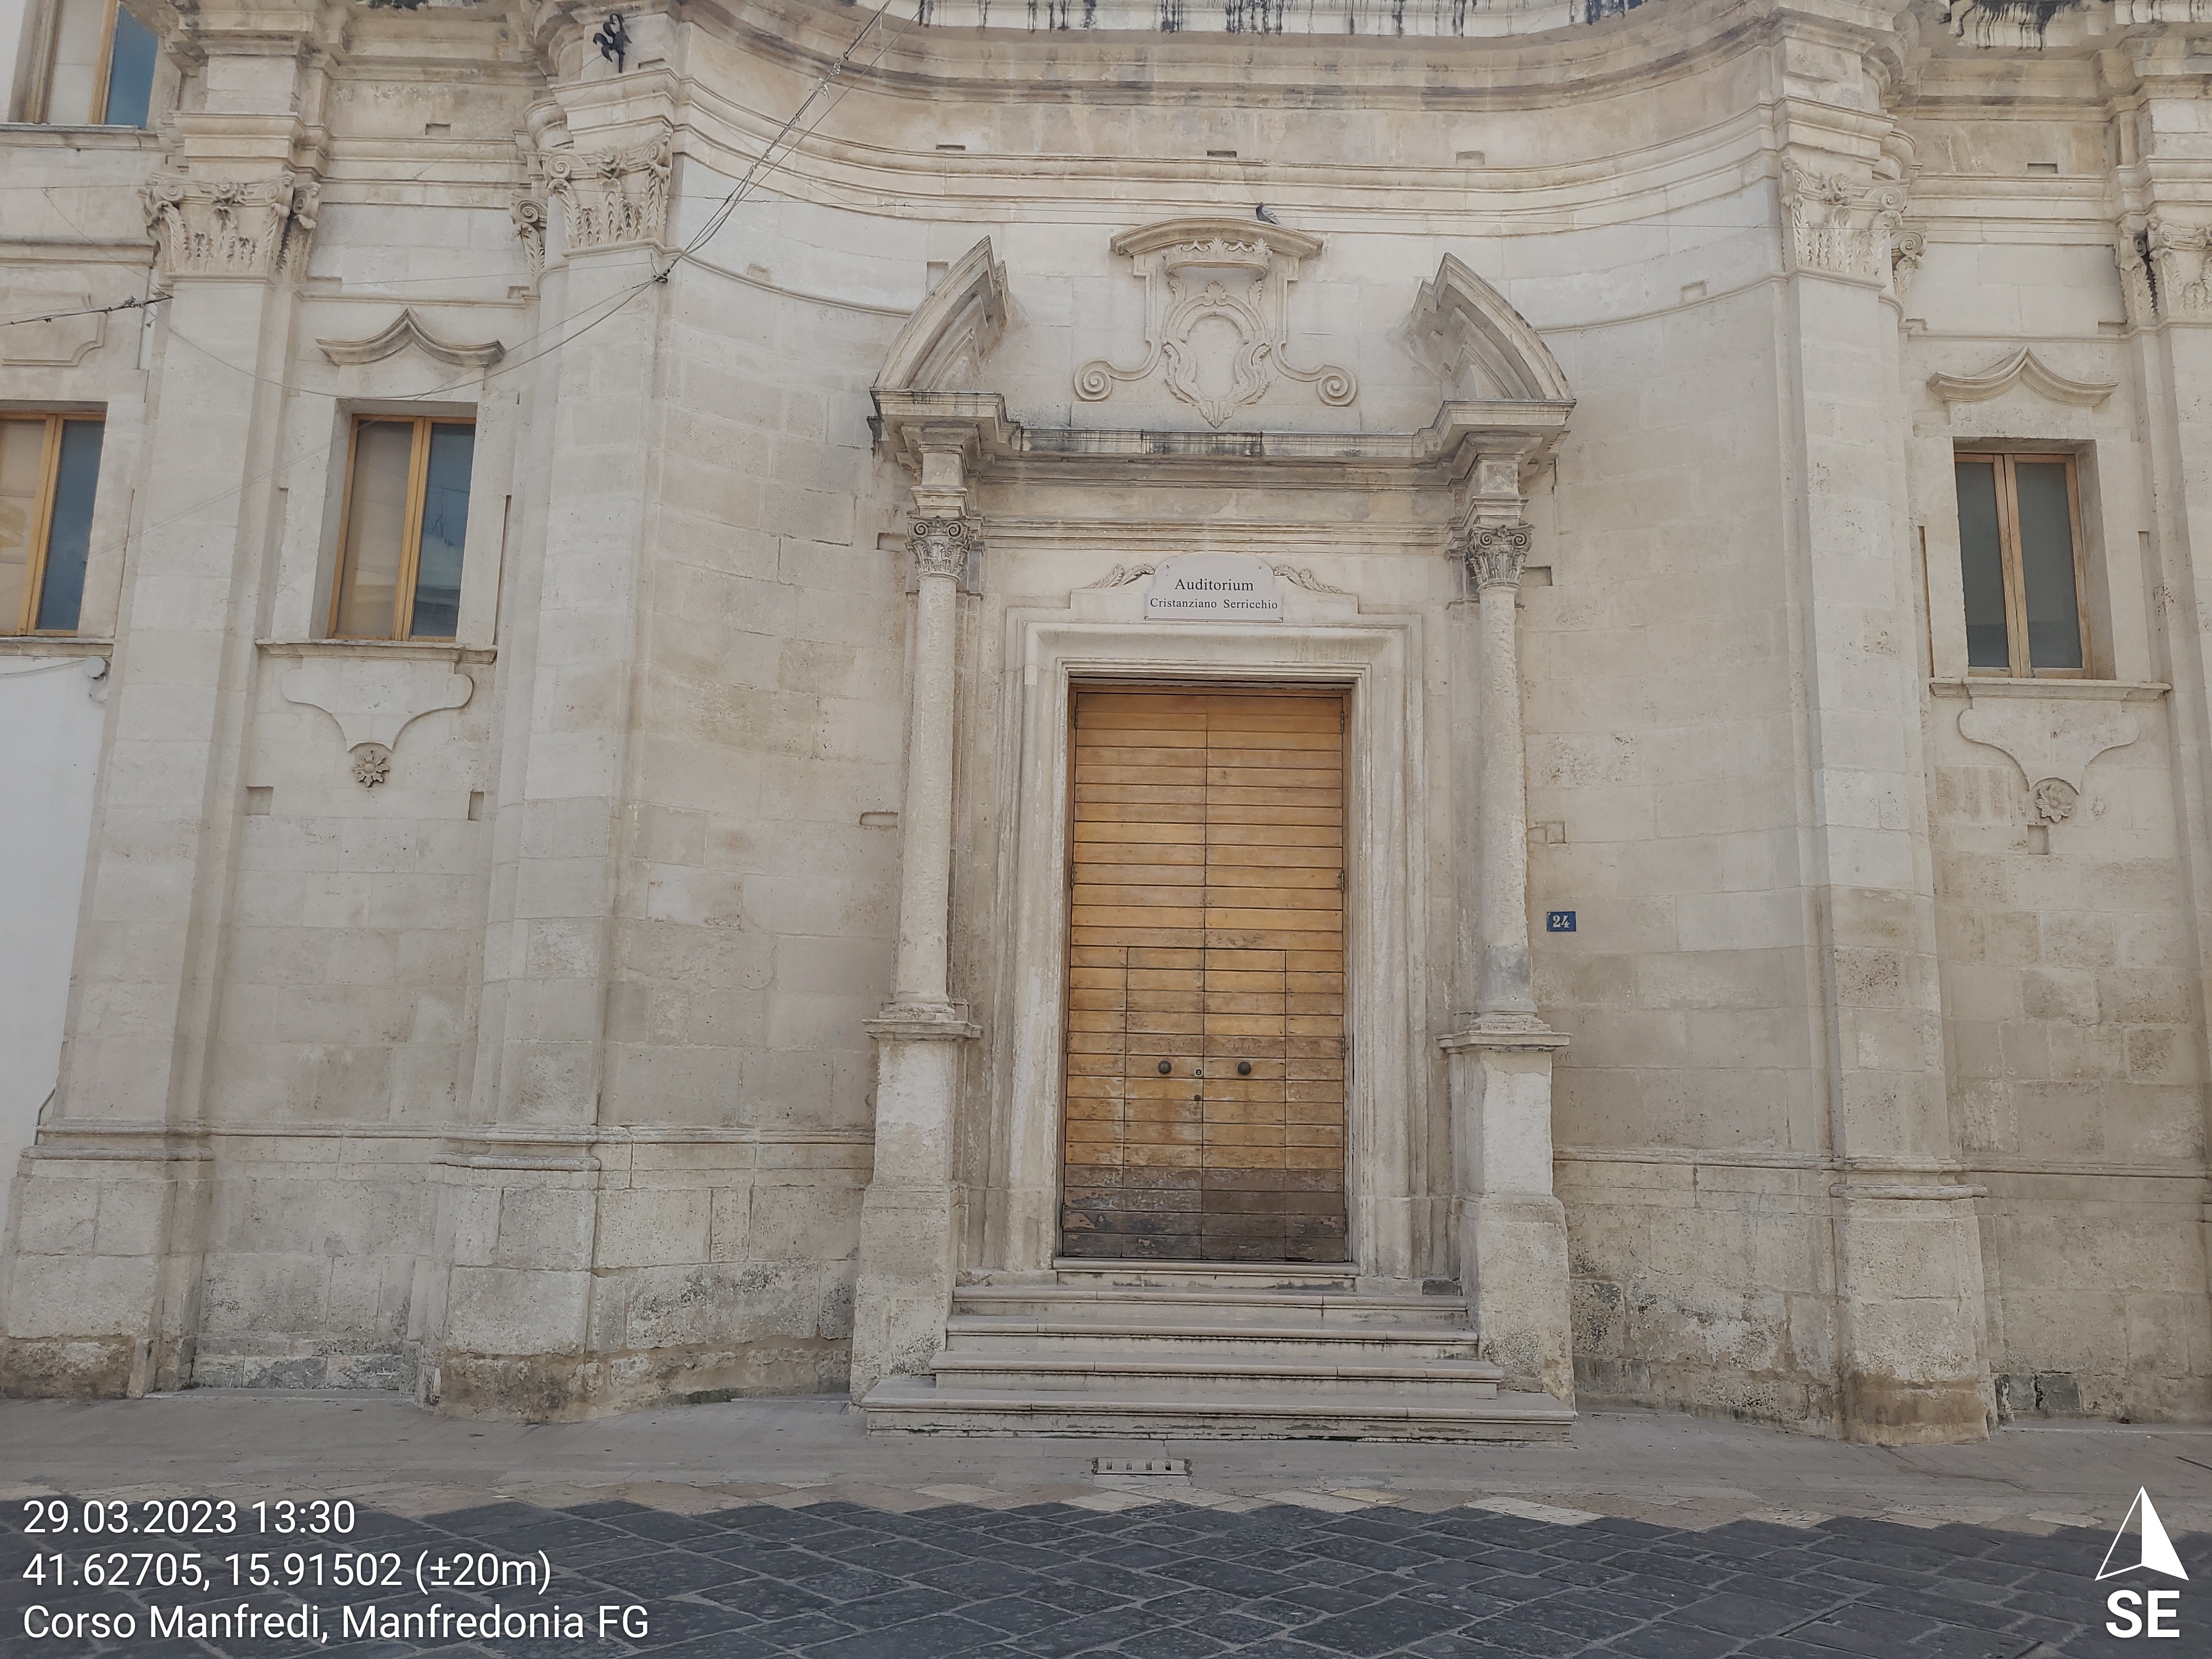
[{"x": 776, "y": 1526}]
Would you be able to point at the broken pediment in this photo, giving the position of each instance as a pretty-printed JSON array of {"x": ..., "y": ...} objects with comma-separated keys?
[
  {"x": 1217, "y": 322},
  {"x": 2025, "y": 368},
  {"x": 944, "y": 343},
  {"x": 1464, "y": 331},
  {"x": 408, "y": 329}
]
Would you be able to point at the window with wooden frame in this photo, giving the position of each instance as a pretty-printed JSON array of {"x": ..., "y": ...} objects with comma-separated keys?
[
  {"x": 49, "y": 470},
  {"x": 406, "y": 509},
  {"x": 99, "y": 62},
  {"x": 2019, "y": 554}
]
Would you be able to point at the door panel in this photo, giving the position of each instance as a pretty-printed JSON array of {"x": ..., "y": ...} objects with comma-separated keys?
[{"x": 1207, "y": 932}]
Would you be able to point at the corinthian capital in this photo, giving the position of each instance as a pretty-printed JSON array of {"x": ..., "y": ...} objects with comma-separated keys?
[
  {"x": 1495, "y": 554},
  {"x": 1839, "y": 226},
  {"x": 940, "y": 545},
  {"x": 231, "y": 227},
  {"x": 613, "y": 195}
]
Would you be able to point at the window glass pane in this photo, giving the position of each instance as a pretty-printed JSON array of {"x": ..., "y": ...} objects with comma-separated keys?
[
  {"x": 22, "y": 465},
  {"x": 68, "y": 534},
  {"x": 1981, "y": 563},
  {"x": 445, "y": 517},
  {"x": 376, "y": 519},
  {"x": 2046, "y": 565},
  {"x": 130, "y": 73}
]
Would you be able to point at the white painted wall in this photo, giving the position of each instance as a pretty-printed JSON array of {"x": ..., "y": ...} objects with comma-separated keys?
[
  {"x": 49, "y": 751},
  {"x": 15, "y": 28}
]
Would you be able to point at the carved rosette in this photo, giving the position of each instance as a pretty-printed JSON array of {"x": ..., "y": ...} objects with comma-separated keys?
[
  {"x": 231, "y": 227},
  {"x": 1495, "y": 555},
  {"x": 610, "y": 198},
  {"x": 1840, "y": 226},
  {"x": 941, "y": 546}
]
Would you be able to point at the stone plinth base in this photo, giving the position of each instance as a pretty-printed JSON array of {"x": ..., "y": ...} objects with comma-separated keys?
[{"x": 1510, "y": 1231}]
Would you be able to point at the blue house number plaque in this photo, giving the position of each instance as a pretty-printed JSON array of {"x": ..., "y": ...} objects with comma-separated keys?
[{"x": 1559, "y": 922}]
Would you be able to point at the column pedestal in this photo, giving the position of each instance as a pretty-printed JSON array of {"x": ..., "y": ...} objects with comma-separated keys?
[
  {"x": 1511, "y": 1231},
  {"x": 905, "y": 1282}
]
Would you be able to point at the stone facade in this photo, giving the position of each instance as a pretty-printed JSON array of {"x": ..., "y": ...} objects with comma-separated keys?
[{"x": 654, "y": 991}]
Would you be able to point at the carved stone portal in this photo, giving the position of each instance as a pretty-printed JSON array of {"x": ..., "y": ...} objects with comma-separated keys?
[{"x": 1217, "y": 304}]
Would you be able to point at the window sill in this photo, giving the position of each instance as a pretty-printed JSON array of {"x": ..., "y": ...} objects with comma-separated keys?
[
  {"x": 1996, "y": 685},
  {"x": 402, "y": 650},
  {"x": 76, "y": 135},
  {"x": 54, "y": 645}
]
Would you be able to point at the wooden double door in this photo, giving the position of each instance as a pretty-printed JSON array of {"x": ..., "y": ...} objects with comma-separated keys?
[{"x": 1204, "y": 1086}]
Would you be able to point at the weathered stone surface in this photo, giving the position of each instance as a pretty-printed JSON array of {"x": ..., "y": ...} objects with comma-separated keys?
[{"x": 678, "y": 1013}]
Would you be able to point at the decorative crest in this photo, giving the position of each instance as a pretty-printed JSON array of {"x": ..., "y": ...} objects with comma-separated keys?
[{"x": 1202, "y": 274}]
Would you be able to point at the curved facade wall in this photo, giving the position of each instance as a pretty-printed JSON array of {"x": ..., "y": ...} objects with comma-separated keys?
[{"x": 546, "y": 1073}]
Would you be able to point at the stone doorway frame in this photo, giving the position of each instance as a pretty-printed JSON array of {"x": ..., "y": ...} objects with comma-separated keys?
[{"x": 1376, "y": 661}]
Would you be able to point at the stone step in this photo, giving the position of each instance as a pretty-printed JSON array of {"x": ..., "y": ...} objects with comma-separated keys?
[
  {"x": 1177, "y": 1306},
  {"x": 1314, "y": 1344},
  {"x": 1340, "y": 1276},
  {"x": 1125, "y": 1410},
  {"x": 1227, "y": 1374}
]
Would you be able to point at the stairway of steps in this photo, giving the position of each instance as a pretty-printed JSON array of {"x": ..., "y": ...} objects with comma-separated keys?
[{"x": 1210, "y": 1351}]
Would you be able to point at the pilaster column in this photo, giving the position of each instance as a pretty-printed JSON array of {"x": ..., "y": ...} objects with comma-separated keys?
[
  {"x": 1509, "y": 1229},
  {"x": 99, "y": 1283},
  {"x": 1908, "y": 1274},
  {"x": 511, "y": 1314},
  {"x": 1495, "y": 556},
  {"x": 904, "y": 1286}
]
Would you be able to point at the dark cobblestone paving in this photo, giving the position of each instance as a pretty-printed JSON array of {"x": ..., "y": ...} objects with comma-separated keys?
[{"x": 837, "y": 1581}]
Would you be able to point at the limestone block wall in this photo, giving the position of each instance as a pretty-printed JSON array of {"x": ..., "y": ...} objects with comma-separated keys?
[
  {"x": 2074, "y": 1058},
  {"x": 1689, "y": 1112}
]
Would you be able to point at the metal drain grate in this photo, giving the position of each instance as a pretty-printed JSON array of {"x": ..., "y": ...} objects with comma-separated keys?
[{"x": 1180, "y": 1465}]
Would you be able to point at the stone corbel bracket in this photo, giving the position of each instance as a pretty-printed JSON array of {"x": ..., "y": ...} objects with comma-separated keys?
[
  {"x": 2025, "y": 368},
  {"x": 2053, "y": 740},
  {"x": 374, "y": 701},
  {"x": 408, "y": 329}
]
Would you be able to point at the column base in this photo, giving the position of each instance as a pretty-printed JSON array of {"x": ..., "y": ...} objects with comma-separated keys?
[
  {"x": 99, "y": 1301},
  {"x": 1910, "y": 1294},
  {"x": 1511, "y": 1231},
  {"x": 903, "y": 1287}
]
